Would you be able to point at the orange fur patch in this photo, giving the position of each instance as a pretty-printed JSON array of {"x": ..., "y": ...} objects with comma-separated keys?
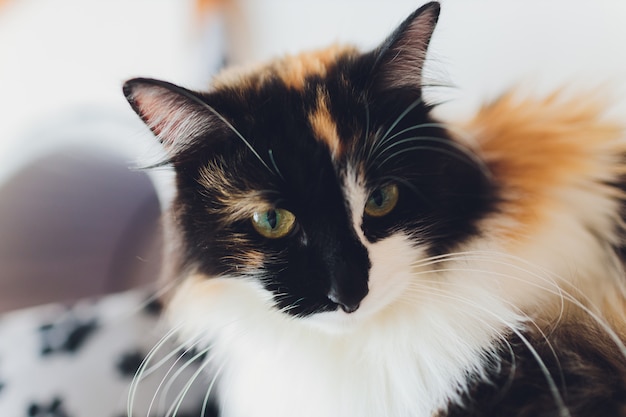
[
  {"x": 323, "y": 125},
  {"x": 292, "y": 70},
  {"x": 203, "y": 6},
  {"x": 537, "y": 149},
  {"x": 235, "y": 204}
]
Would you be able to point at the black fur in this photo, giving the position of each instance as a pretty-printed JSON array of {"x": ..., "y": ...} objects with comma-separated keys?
[
  {"x": 443, "y": 192},
  {"x": 586, "y": 367}
]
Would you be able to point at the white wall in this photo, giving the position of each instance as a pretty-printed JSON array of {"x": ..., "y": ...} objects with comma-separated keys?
[
  {"x": 58, "y": 57},
  {"x": 63, "y": 62},
  {"x": 480, "y": 46}
]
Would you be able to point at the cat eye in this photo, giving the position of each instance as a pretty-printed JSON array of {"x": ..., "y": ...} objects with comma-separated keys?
[
  {"x": 382, "y": 201},
  {"x": 274, "y": 223}
]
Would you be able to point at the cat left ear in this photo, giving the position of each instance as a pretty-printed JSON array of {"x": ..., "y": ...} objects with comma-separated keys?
[
  {"x": 175, "y": 115},
  {"x": 401, "y": 57}
]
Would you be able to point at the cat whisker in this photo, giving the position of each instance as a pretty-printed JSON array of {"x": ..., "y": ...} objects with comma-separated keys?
[
  {"x": 528, "y": 319},
  {"x": 273, "y": 161},
  {"x": 170, "y": 378},
  {"x": 576, "y": 301},
  {"x": 402, "y": 115},
  {"x": 563, "y": 410},
  {"x": 456, "y": 130},
  {"x": 187, "y": 349},
  {"x": 416, "y": 127},
  {"x": 205, "y": 401},
  {"x": 444, "y": 151},
  {"x": 178, "y": 401},
  {"x": 542, "y": 274},
  {"x": 556, "y": 290},
  {"x": 139, "y": 374},
  {"x": 464, "y": 150}
]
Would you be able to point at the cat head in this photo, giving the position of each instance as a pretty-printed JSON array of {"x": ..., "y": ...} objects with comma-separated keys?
[{"x": 320, "y": 179}]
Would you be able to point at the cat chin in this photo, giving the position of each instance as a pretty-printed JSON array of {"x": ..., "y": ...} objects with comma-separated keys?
[{"x": 334, "y": 322}]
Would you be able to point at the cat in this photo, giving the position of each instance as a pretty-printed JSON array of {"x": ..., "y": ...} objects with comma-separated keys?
[{"x": 338, "y": 251}]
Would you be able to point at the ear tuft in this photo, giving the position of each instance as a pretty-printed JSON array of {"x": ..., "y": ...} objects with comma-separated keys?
[
  {"x": 401, "y": 57},
  {"x": 175, "y": 115}
]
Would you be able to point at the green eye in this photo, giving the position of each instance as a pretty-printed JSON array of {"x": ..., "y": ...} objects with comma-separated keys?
[
  {"x": 273, "y": 224},
  {"x": 382, "y": 201}
]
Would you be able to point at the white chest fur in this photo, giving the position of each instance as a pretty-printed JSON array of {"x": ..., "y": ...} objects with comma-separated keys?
[{"x": 408, "y": 361}]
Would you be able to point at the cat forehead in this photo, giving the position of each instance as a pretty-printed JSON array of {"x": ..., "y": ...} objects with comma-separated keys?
[
  {"x": 292, "y": 70},
  {"x": 305, "y": 76}
]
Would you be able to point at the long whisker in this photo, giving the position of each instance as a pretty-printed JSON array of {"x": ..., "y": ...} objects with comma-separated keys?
[
  {"x": 472, "y": 158},
  {"x": 563, "y": 411},
  {"x": 466, "y": 136},
  {"x": 141, "y": 370},
  {"x": 535, "y": 325},
  {"x": 425, "y": 148},
  {"x": 181, "y": 395},
  {"x": 273, "y": 161},
  {"x": 402, "y": 115},
  {"x": 205, "y": 402},
  {"x": 459, "y": 132},
  {"x": 173, "y": 410},
  {"x": 164, "y": 378},
  {"x": 542, "y": 274},
  {"x": 466, "y": 256}
]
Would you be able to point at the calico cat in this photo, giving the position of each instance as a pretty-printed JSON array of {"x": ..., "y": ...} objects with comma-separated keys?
[{"x": 337, "y": 251}]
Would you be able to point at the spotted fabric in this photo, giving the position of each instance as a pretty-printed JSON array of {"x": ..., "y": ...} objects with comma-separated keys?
[{"x": 80, "y": 360}]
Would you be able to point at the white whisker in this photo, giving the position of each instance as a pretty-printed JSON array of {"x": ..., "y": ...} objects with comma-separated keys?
[
  {"x": 541, "y": 274},
  {"x": 172, "y": 366},
  {"x": 385, "y": 136},
  {"x": 141, "y": 370},
  {"x": 178, "y": 401},
  {"x": 563, "y": 411},
  {"x": 205, "y": 402}
]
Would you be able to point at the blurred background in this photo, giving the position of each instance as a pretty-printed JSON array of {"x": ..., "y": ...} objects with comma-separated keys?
[{"x": 76, "y": 218}]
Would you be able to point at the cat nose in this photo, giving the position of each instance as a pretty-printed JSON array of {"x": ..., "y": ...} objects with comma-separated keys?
[
  {"x": 345, "y": 306},
  {"x": 347, "y": 268},
  {"x": 348, "y": 302}
]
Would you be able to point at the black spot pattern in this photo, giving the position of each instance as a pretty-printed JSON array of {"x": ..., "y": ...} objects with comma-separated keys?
[
  {"x": 153, "y": 306},
  {"x": 130, "y": 362},
  {"x": 2, "y": 385},
  {"x": 210, "y": 411},
  {"x": 67, "y": 335},
  {"x": 586, "y": 366},
  {"x": 52, "y": 409},
  {"x": 191, "y": 353}
]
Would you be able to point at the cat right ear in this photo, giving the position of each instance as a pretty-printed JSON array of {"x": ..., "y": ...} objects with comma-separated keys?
[
  {"x": 401, "y": 57},
  {"x": 175, "y": 115}
]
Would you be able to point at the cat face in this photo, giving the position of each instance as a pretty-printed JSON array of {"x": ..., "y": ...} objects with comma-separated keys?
[{"x": 321, "y": 177}]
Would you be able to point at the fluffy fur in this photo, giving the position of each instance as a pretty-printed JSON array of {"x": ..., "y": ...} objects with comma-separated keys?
[{"x": 499, "y": 271}]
